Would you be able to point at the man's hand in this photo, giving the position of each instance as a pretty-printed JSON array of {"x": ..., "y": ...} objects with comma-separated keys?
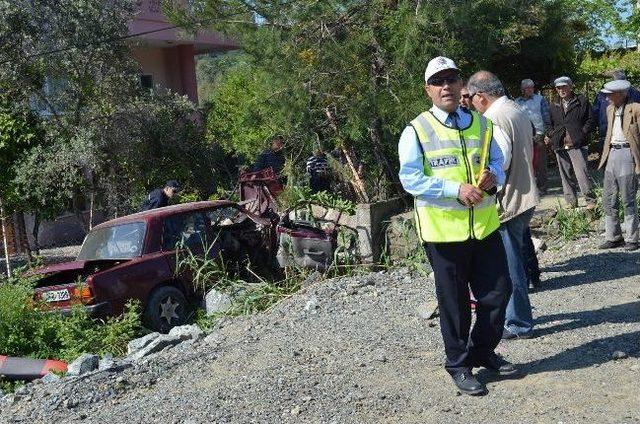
[
  {"x": 487, "y": 180},
  {"x": 469, "y": 195},
  {"x": 547, "y": 140}
]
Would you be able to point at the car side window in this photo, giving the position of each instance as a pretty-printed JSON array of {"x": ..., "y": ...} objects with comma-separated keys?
[
  {"x": 187, "y": 230},
  {"x": 225, "y": 216}
]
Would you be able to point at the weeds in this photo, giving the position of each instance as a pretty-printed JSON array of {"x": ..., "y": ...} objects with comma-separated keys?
[
  {"x": 206, "y": 270},
  {"x": 295, "y": 196},
  {"x": 28, "y": 330},
  {"x": 570, "y": 224},
  {"x": 248, "y": 297}
]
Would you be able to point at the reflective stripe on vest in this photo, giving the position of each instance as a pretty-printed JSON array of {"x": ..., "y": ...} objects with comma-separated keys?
[{"x": 460, "y": 156}]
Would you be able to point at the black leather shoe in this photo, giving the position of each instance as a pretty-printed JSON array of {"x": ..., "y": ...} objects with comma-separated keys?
[
  {"x": 611, "y": 244},
  {"x": 630, "y": 247},
  {"x": 498, "y": 364},
  {"x": 468, "y": 384},
  {"x": 508, "y": 335}
]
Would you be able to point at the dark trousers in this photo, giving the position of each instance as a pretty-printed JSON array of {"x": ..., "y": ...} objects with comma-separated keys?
[
  {"x": 540, "y": 162},
  {"x": 532, "y": 264},
  {"x": 319, "y": 183},
  {"x": 482, "y": 265}
]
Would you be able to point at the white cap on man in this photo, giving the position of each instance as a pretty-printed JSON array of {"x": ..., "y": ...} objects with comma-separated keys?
[
  {"x": 615, "y": 86},
  {"x": 438, "y": 64},
  {"x": 559, "y": 82}
]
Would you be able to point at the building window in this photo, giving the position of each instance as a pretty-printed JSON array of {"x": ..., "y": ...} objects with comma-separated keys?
[{"x": 146, "y": 81}]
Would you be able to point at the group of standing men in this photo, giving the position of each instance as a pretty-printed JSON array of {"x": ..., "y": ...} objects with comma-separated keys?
[
  {"x": 469, "y": 163},
  {"x": 565, "y": 125}
]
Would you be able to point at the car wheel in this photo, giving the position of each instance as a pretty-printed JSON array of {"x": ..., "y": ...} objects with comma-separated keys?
[{"x": 166, "y": 308}]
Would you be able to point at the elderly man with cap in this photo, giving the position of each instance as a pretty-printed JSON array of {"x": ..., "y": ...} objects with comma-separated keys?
[
  {"x": 571, "y": 121},
  {"x": 601, "y": 102},
  {"x": 537, "y": 109},
  {"x": 621, "y": 162},
  {"x": 518, "y": 197},
  {"x": 451, "y": 164},
  {"x": 159, "y": 197}
]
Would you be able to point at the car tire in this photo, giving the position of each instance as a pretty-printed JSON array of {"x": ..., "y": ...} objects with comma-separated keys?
[{"x": 166, "y": 308}]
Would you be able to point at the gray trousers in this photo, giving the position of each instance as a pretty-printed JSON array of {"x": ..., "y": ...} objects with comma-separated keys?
[
  {"x": 620, "y": 179},
  {"x": 574, "y": 160}
]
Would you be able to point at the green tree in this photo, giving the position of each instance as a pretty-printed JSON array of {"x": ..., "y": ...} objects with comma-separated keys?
[
  {"x": 18, "y": 132},
  {"x": 69, "y": 62},
  {"x": 107, "y": 140},
  {"x": 348, "y": 74}
]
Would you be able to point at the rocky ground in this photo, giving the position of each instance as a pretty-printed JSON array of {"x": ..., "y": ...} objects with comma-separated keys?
[{"x": 357, "y": 350}]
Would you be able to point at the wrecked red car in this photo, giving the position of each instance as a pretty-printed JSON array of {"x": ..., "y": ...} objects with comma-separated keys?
[{"x": 134, "y": 257}]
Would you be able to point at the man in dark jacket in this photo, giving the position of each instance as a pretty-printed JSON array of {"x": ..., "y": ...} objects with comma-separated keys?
[
  {"x": 159, "y": 197},
  {"x": 271, "y": 158},
  {"x": 319, "y": 172},
  {"x": 601, "y": 103},
  {"x": 571, "y": 122}
]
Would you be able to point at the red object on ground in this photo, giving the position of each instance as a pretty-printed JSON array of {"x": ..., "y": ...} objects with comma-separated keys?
[{"x": 28, "y": 369}]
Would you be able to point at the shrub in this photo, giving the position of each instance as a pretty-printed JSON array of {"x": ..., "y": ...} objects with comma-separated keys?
[
  {"x": 298, "y": 196},
  {"x": 27, "y": 330}
]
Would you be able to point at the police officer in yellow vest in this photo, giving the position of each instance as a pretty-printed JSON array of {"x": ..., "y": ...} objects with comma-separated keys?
[{"x": 451, "y": 164}]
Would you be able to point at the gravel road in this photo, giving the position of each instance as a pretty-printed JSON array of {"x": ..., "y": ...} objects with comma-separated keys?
[{"x": 355, "y": 350}]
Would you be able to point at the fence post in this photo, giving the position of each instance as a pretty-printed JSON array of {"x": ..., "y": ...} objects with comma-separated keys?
[{"x": 5, "y": 242}]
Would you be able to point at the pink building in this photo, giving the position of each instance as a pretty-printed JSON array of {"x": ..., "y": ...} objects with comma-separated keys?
[{"x": 166, "y": 54}]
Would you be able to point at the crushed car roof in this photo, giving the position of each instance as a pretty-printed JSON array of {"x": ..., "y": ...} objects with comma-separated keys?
[{"x": 166, "y": 211}]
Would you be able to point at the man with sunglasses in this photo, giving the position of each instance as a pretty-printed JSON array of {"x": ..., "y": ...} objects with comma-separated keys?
[
  {"x": 465, "y": 99},
  {"x": 450, "y": 163}
]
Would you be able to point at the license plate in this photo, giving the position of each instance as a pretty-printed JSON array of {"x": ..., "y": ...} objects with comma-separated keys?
[{"x": 56, "y": 295}]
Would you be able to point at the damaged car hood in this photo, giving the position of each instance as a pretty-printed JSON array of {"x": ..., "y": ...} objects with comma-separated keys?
[{"x": 56, "y": 268}]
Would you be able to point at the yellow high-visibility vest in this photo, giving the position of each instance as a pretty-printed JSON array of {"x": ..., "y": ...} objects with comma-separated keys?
[{"x": 457, "y": 155}]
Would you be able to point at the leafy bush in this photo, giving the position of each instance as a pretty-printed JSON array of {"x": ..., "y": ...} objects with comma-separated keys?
[
  {"x": 572, "y": 223},
  {"x": 27, "y": 330},
  {"x": 295, "y": 196}
]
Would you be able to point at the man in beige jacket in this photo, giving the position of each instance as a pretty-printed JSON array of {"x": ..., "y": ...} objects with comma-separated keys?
[
  {"x": 519, "y": 195},
  {"x": 621, "y": 162}
]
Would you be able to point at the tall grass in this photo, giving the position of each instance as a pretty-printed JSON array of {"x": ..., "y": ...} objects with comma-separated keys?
[
  {"x": 571, "y": 224},
  {"x": 28, "y": 330}
]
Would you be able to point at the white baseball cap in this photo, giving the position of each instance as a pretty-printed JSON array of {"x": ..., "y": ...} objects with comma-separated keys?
[{"x": 438, "y": 64}]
